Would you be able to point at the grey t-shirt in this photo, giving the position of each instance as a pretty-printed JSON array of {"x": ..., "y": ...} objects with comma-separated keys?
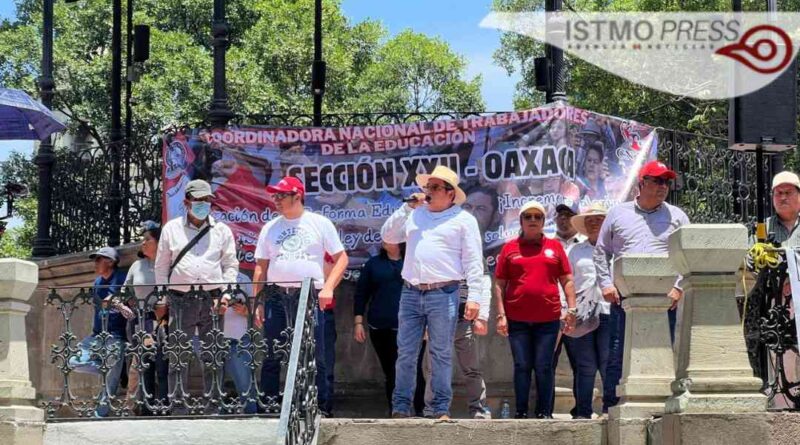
[
  {"x": 782, "y": 235},
  {"x": 631, "y": 229},
  {"x": 142, "y": 272}
]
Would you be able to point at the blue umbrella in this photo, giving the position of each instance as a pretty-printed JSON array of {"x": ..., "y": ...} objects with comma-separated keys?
[{"x": 21, "y": 117}]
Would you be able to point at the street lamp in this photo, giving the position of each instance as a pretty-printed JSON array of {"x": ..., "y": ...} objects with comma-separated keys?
[
  {"x": 45, "y": 158},
  {"x": 219, "y": 113},
  {"x": 318, "y": 68}
]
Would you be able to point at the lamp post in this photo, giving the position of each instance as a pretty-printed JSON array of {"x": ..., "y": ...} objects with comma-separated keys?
[
  {"x": 45, "y": 158},
  {"x": 557, "y": 89},
  {"x": 219, "y": 113},
  {"x": 117, "y": 139},
  {"x": 318, "y": 68}
]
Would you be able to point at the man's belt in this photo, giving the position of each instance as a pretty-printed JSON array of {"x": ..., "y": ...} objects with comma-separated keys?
[{"x": 429, "y": 286}]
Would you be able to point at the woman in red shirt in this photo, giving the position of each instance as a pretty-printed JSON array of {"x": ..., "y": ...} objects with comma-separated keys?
[{"x": 529, "y": 270}]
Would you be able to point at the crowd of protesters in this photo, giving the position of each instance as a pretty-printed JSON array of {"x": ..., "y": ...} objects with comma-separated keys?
[{"x": 422, "y": 301}]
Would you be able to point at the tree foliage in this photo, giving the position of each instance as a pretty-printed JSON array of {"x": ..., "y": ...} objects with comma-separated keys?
[
  {"x": 268, "y": 64},
  {"x": 592, "y": 88}
]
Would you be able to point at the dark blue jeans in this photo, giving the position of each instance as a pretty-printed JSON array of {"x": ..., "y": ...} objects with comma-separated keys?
[
  {"x": 602, "y": 342},
  {"x": 532, "y": 346},
  {"x": 330, "y": 357},
  {"x": 582, "y": 353},
  {"x": 279, "y": 312},
  {"x": 617, "y": 350}
]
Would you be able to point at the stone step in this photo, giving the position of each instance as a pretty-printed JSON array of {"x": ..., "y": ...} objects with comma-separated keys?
[{"x": 431, "y": 432}]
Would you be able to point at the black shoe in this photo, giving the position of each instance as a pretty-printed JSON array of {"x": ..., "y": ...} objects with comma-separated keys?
[
  {"x": 521, "y": 415},
  {"x": 543, "y": 416}
]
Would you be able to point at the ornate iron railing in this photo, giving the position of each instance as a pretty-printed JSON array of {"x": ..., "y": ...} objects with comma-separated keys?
[
  {"x": 715, "y": 184},
  {"x": 153, "y": 341},
  {"x": 769, "y": 328}
]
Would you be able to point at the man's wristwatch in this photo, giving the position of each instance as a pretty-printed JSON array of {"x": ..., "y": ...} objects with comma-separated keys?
[
  {"x": 499, "y": 316},
  {"x": 572, "y": 311}
]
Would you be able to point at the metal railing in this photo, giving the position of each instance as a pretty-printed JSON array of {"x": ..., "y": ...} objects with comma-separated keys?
[
  {"x": 149, "y": 330},
  {"x": 770, "y": 332}
]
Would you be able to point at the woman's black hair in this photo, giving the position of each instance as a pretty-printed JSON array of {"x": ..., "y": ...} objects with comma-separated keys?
[
  {"x": 385, "y": 254},
  {"x": 155, "y": 232}
]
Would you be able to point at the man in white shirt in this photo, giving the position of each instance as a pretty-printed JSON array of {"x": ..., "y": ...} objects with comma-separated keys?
[
  {"x": 290, "y": 248},
  {"x": 443, "y": 248},
  {"x": 569, "y": 237},
  {"x": 212, "y": 259}
]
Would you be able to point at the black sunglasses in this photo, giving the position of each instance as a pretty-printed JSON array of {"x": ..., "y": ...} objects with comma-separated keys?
[
  {"x": 533, "y": 216},
  {"x": 658, "y": 181}
]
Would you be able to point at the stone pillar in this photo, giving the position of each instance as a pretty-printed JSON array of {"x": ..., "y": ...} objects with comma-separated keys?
[
  {"x": 20, "y": 421},
  {"x": 713, "y": 373},
  {"x": 648, "y": 365}
]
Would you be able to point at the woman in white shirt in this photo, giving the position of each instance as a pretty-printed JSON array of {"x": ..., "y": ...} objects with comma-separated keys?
[{"x": 589, "y": 341}]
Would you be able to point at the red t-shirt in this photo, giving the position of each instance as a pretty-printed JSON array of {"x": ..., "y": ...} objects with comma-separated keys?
[{"x": 532, "y": 271}]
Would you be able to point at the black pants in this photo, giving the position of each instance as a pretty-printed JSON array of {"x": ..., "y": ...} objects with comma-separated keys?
[{"x": 385, "y": 343}]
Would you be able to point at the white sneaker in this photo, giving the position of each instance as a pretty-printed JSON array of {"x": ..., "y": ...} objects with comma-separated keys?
[{"x": 482, "y": 415}]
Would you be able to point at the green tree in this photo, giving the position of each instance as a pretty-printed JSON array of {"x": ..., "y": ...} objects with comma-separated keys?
[
  {"x": 268, "y": 65},
  {"x": 592, "y": 88}
]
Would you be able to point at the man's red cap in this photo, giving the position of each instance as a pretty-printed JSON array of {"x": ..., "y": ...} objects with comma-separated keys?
[
  {"x": 289, "y": 184},
  {"x": 656, "y": 169}
]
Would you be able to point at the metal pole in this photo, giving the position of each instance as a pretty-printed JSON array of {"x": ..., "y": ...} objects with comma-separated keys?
[
  {"x": 126, "y": 234},
  {"x": 739, "y": 170},
  {"x": 549, "y": 6},
  {"x": 45, "y": 157},
  {"x": 318, "y": 93},
  {"x": 559, "y": 91},
  {"x": 115, "y": 198},
  {"x": 776, "y": 160},
  {"x": 219, "y": 113}
]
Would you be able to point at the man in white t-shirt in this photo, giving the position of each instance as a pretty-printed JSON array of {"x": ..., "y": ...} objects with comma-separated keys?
[{"x": 291, "y": 248}]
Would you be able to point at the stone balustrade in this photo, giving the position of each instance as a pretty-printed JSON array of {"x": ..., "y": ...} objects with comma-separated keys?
[
  {"x": 713, "y": 374},
  {"x": 20, "y": 421}
]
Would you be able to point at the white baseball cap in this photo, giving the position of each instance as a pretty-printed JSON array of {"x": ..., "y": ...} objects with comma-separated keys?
[
  {"x": 785, "y": 177},
  {"x": 532, "y": 205}
]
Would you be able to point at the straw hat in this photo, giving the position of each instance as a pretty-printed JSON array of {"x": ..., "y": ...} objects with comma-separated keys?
[
  {"x": 579, "y": 221},
  {"x": 446, "y": 175}
]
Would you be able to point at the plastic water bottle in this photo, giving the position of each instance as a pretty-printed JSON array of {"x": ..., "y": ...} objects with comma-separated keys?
[{"x": 505, "y": 410}]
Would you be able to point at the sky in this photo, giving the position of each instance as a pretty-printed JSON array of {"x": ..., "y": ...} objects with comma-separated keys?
[{"x": 454, "y": 21}]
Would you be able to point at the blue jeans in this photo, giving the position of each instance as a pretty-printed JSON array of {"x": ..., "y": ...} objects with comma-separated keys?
[
  {"x": 112, "y": 378},
  {"x": 583, "y": 357},
  {"x": 438, "y": 311},
  {"x": 532, "y": 347},
  {"x": 602, "y": 341},
  {"x": 237, "y": 368},
  {"x": 330, "y": 357},
  {"x": 276, "y": 319},
  {"x": 617, "y": 350}
]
